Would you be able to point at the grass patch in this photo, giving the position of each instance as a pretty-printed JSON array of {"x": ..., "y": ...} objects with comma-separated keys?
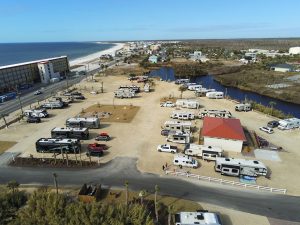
[
  {"x": 168, "y": 99},
  {"x": 110, "y": 113},
  {"x": 5, "y": 145}
]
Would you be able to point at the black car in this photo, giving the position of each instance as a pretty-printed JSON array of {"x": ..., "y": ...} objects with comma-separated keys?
[
  {"x": 273, "y": 124},
  {"x": 32, "y": 119},
  {"x": 94, "y": 153}
]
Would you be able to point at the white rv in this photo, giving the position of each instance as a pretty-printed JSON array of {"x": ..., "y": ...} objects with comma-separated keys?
[
  {"x": 215, "y": 95},
  {"x": 178, "y": 126},
  {"x": 88, "y": 122},
  {"x": 124, "y": 93},
  {"x": 187, "y": 103},
  {"x": 209, "y": 153},
  {"x": 41, "y": 113},
  {"x": 214, "y": 113},
  {"x": 182, "y": 81},
  {"x": 200, "y": 217},
  {"x": 202, "y": 91},
  {"x": 288, "y": 124},
  {"x": 53, "y": 105},
  {"x": 238, "y": 167},
  {"x": 179, "y": 137},
  {"x": 182, "y": 115},
  {"x": 243, "y": 107},
  {"x": 194, "y": 87},
  {"x": 185, "y": 160}
]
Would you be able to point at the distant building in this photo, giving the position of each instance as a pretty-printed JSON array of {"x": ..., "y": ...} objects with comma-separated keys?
[
  {"x": 282, "y": 68},
  {"x": 201, "y": 217},
  {"x": 15, "y": 75},
  {"x": 153, "y": 59},
  {"x": 197, "y": 56},
  {"x": 225, "y": 133},
  {"x": 294, "y": 50}
]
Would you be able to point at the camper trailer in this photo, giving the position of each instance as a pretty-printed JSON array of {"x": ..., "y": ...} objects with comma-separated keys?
[
  {"x": 134, "y": 88},
  {"x": 209, "y": 153},
  {"x": 214, "y": 113},
  {"x": 215, "y": 95},
  {"x": 53, "y": 105},
  {"x": 69, "y": 132},
  {"x": 58, "y": 145},
  {"x": 185, "y": 160},
  {"x": 182, "y": 81},
  {"x": 201, "y": 217},
  {"x": 178, "y": 126},
  {"x": 183, "y": 115},
  {"x": 288, "y": 124},
  {"x": 41, "y": 113},
  {"x": 239, "y": 167},
  {"x": 179, "y": 137},
  {"x": 87, "y": 122},
  {"x": 202, "y": 91},
  {"x": 124, "y": 93},
  {"x": 187, "y": 103},
  {"x": 194, "y": 87},
  {"x": 243, "y": 107}
]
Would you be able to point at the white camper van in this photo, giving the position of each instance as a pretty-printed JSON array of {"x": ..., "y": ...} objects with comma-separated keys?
[
  {"x": 214, "y": 113},
  {"x": 188, "y": 103},
  {"x": 194, "y": 87},
  {"x": 183, "y": 126},
  {"x": 238, "y": 167},
  {"x": 288, "y": 124},
  {"x": 185, "y": 160},
  {"x": 202, "y": 91},
  {"x": 215, "y": 95},
  {"x": 243, "y": 107},
  {"x": 183, "y": 115},
  {"x": 179, "y": 137},
  {"x": 209, "y": 153}
]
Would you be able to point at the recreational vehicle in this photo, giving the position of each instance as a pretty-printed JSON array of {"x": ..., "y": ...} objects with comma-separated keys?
[
  {"x": 288, "y": 124},
  {"x": 185, "y": 160},
  {"x": 124, "y": 93},
  {"x": 183, "y": 115},
  {"x": 201, "y": 217},
  {"x": 202, "y": 91},
  {"x": 41, "y": 113},
  {"x": 69, "y": 132},
  {"x": 215, "y": 113},
  {"x": 243, "y": 107},
  {"x": 194, "y": 87},
  {"x": 179, "y": 137},
  {"x": 88, "y": 122},
  {"x": 187, "y": 103},
  {"x": 53, "y": 105},
  {"x": 178, "y": 126},
  {"x": 239, "y": 167},
  {"x": 215, "y": 95},
  {"x": 182, "y": 81},
  {"x": 209, "y": 153},
  {"x": 52, "y": 145},
  {"x": 134, "y": 88}
]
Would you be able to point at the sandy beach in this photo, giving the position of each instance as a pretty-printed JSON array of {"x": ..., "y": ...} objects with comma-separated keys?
[{"x": 96, "y": 55}]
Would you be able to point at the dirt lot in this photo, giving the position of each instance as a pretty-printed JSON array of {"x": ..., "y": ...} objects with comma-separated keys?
[{"x": 5, "y": 145}]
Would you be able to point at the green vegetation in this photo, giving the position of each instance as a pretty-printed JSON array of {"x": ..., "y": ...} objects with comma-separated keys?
[{"x": 269, "y": 110}]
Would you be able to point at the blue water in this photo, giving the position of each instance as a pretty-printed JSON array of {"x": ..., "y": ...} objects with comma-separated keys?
[
  {"x": 12, "y": 53},
  {"x": 234, "y": 93}
]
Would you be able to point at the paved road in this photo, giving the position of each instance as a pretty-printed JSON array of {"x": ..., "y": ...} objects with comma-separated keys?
[{"x": 118, "y": 170}]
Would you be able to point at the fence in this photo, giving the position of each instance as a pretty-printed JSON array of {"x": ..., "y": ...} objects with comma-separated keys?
[{"x": 227, "y": 182}]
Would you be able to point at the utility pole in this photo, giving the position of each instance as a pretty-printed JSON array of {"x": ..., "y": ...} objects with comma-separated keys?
[{"x": 55, "y": 182}]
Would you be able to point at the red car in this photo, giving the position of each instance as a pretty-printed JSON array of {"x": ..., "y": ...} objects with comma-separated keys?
[{"x": 97, "y": 147}]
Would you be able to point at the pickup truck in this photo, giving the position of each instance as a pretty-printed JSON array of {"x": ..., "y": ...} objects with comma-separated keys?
[
  {"x": 167, "y": 148},
  {"x": 96, "y": 146}
]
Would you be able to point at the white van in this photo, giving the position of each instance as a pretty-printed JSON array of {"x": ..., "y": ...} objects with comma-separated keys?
[
  {"x": 215, "y": 95},
  {"x": 184, "y": 160}
]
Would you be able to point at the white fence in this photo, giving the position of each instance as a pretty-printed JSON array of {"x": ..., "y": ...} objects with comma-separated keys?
[{"x": 227, "y": 182}]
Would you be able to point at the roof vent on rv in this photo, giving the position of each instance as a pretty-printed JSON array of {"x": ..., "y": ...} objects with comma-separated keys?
[
  {"x": 227, "y": 159},
  {"x": 255, "y": 162},
  {"x": 209, "y": 147}
]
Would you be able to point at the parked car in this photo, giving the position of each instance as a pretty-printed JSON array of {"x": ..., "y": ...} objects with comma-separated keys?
[
  {"x": 38, "y": 92},
  {"x": 167, "y": 104},
  {"x": 267, "y": 130},
  {"x": 102, "y": 137},
  {"x": 164, "y": 132},
  {"x": 273, "y": 124},
  {"x": 81, "y": 97},
  {"x": 31, "y": 119},
  {"x": 97, "y": 153},
  {"x": 167, "y": 148},
  {"x": 96, "y": 146}
]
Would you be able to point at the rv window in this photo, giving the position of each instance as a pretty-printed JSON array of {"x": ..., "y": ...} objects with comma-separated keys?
[
  {"x": 219, "y": 166},
  {"x": 234, "y": 170},
  {"x": 176, "y": 161},
  {"x": 207, "y": 155},
  {"x": 226, "y": 170},
  {"x": 256, "y": 169}
]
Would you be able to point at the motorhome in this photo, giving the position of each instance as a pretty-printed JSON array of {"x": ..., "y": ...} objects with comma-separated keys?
[
  {"x": 124, "y": 93},
  {"x": 201, "y": 217},
  {"x": 243, "y": 107},
  {"x": 80, "y": 122},
  {"x": 172, "y": 125},
  {"x": 70, "y": 132},
  {"x": 214, "y": 113},
  {"x": 209, "y": 153},
  {"x": 182, "y": 81},
  {"x": 134, "y": 88},
  {"x": 194, "y": 87},
  {"x": 182, "y": 115},
  {"x": 238, "y": 167},
  {"x": 202, "y": 91},
  {"x": 185, "y": 160},
  {"x": 57, "y": 145},
  {"x": 215, "y": 95},
  {"x": 53, "y": 105},
  {"x": 41, "y": 113},
  {"x": 288, "y": 124},
  {"x": 179, "y": 137},
  {"x": 188, "y": 103}
]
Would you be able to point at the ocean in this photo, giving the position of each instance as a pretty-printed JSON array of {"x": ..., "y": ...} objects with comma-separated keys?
[{"x": 11, "y": 53}]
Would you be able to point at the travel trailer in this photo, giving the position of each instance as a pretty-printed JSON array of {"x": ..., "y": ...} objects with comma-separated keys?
[
  {"x": 209, "y": 153},
  {"x": 194, "y": 87},
  {"x": 238, "y": 167},
  {"x": 53, "y": 105},
  {"x": 41, "y": 113},
  {"x": 179, "y": 137},
  {"x": 52, "y": 145},
  {"x": 188, "y": 103},
  {"x": 202, "y": 91},
  {"x": 243, "y": 107},
  {"x": 214, "y": 113},
  {"x": 183, "y": 115},
  {"x": 288, "y": 124},
  {"x": 185, "y": 160},
  {"x": 185, "y": 126},
  {"x": 87, "y": 122},
  {"x": 69, "y": 132},
  {"x": 182, "y": 81},
  {"x": 124, "y": 93},
  {"x": 215, "y": 95},
  {"x": 134, "y": 88},
  {"x": 201, "y": 217}
]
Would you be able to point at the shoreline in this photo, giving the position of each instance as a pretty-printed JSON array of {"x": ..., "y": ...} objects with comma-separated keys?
[{"x": 96, "y": 55}]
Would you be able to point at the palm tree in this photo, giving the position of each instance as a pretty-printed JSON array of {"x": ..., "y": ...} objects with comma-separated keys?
[
  {"x": 155, "y": 201},
  {"x": 55, "y": 182},
  {"x": 272, "y": 104},
  {"x": 170, "y": 212},
  {"x": 13, "y": 185},
  {"x": 142, "y": 195},
  {"x": 126, "y": 186},
  {"x": 182, "y": 89}
]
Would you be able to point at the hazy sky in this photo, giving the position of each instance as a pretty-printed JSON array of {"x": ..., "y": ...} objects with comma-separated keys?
[{"x": 90, "y": 20}]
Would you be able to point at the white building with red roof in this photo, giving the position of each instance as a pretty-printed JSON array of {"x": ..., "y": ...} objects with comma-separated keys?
[{"x": 225, "y": 133}]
